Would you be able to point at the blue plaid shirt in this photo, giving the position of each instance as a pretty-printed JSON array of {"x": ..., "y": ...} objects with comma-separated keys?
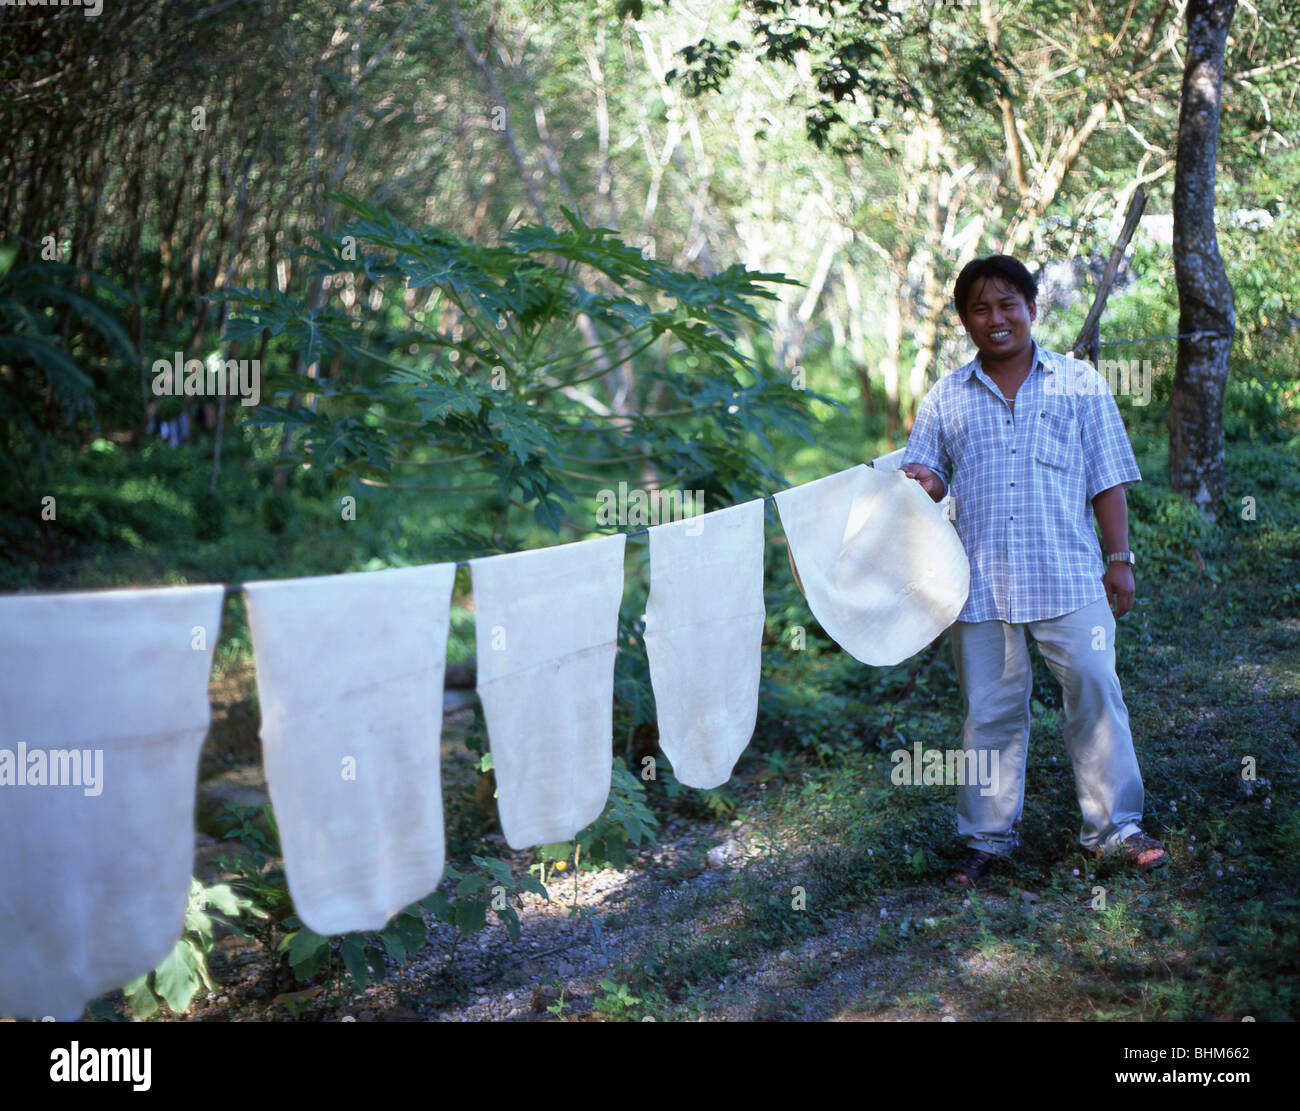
[{"x": 1022, "y": 482}]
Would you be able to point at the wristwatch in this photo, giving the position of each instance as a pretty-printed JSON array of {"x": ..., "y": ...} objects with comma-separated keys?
[{"x": 1121, "y": 557}]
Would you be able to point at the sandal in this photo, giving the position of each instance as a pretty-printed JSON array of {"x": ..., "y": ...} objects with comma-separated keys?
[
  {"x": 973, "y": 866},
  {"x": 1138, "y": 846}
]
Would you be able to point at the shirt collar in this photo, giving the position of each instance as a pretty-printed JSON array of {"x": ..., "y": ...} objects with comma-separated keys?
[{"x": 1043, "y": 360}]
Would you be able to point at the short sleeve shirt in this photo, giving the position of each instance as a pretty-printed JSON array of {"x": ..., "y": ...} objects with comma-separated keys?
[{"x": 1022, "y": 482}]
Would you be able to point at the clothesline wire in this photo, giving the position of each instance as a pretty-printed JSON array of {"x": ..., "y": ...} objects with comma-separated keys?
[{"x": 1176, "y": 335}]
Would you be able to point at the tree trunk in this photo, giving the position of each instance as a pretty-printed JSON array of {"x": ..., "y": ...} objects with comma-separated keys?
[
  {"x": 1204, "y": 296},
  {"x": 894, "y": 312},
  {"x": 857, "y": 334}
]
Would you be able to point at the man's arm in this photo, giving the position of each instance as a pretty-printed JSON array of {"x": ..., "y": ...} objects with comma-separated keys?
[
  {"x": 928, "y": 460},
  {"x": 1110, "y": 507},
  {"x": 1109, "y": 467}
]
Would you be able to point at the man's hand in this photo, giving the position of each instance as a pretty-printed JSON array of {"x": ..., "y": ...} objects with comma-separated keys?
[
  {"x": 1118, "y": 581},
  {"x": 930, "y": 482}
]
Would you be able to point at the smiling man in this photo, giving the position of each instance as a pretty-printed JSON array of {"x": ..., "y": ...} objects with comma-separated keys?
[{"x": 1033, "y": 448}]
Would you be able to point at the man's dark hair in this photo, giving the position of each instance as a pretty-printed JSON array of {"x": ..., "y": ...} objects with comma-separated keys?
[{"x": 1010, "y": 270}]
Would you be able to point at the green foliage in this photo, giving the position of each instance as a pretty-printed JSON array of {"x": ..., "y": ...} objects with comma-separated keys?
[
  {"x": 37, "y": 302},
  {"x": 882, "y": 58},
  {"x": 625, "y": 820},
  {"x": 185, "y": 968},
  {"x": 364, "y": 955},
  {"x": 715, "y": 803},
  {"x": 634, "y": 695},
  {"x": 1165, "y": 527},
  {"x": 493, "y": 888},
  {"x": 559, "y": 1006},
  {"x": 361, "y": 954},
  {"x": 617, "y": 1001},
  {"x": 490, "y": 388},
  {"x": 258, "y": 874}
]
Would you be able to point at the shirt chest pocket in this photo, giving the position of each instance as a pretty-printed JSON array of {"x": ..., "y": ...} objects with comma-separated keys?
[{"x": 1058, "y": 444}]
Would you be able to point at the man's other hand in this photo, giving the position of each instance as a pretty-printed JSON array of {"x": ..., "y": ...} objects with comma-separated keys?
[
  {"x": 1120, "y": 588},
  {"x": 930, "y": 482}
]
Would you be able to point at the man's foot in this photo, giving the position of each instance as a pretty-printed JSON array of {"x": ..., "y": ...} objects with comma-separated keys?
[
  {"x": 1143, "y": 852},
  {"x": 973, "y": 866}
]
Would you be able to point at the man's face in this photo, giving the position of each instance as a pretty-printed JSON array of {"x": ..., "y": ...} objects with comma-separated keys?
[{"x": 998, "y": 319}]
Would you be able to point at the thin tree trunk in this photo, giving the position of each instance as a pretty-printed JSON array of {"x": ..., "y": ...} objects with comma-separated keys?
[
  {"x": 479, "y": 60},
  {"x": 1087, "y": 345},
  {"x": 1205, "y": 298},
  {"x": 893, "y": 347},
  {"x": 857, "y": 335}
]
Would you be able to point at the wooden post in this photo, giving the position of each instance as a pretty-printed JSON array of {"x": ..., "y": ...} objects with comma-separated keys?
[{"x": 1088, "y": 343}]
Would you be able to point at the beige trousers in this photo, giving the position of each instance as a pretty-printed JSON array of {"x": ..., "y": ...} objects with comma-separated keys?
[{"x": 996, "y": 683}]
